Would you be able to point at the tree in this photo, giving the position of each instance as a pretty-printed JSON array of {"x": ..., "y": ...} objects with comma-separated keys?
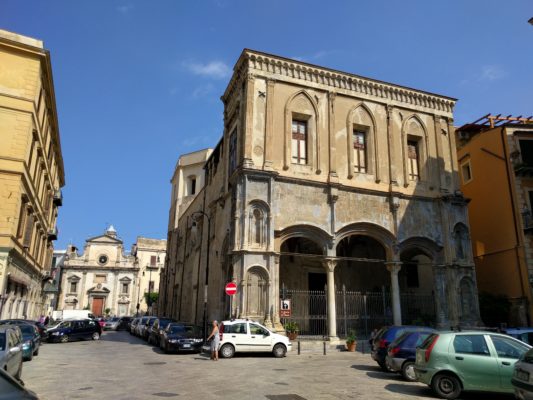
[{"x": 151, "y": 298}]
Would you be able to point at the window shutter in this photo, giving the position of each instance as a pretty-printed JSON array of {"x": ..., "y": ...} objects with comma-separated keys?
[
  {"x": 29, "y": 231},
  {"x": 153, "y": 261}
]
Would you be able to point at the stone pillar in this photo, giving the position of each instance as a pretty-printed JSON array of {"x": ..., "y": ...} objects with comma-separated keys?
[
  {"x": 393, "y": 179},
  {"x": 332, "y": 156},
  {"x": 394, "y": 267},
  {"x": 329, "y": 265},
  {"x": 269, "y": 125},
  {"x": 247, "y": 125}
]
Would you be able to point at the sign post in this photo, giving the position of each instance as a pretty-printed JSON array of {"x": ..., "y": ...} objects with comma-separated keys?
[
  {"x": 285, "y": 309},
  {"x": 231, "y": 290}
]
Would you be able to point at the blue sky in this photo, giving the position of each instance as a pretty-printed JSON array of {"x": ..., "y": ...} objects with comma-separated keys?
[{"x": 138, "y": 82}]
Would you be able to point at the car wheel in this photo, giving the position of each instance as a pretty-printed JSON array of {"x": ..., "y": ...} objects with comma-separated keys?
[
  {"x": 95, "y": 336},
  {"x": 227, "y": 351},
  {"x": 384, "y": 367},
  {"x": 446, "y": 386},
  {"x": 279, "y": 350},
  {"x": 64, "y": 339},
  {"x": 408, "y": 371}
]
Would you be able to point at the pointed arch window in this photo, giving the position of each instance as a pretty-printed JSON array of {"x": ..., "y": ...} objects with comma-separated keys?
[
  {"x": 299, "y": 141},
  {"x": 413, "y": 160},
  {"x": 359, "y": 150}
]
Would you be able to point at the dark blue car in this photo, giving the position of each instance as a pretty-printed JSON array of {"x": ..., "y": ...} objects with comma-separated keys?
[
  {"x": 75, "y": 330},
  {"x": 401, "y": 354},
  {"x": 31, "y": 338},
  {"x": 385, "y": 337}
]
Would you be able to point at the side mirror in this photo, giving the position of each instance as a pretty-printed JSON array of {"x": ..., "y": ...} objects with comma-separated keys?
[{"x": 14, "y": 350}]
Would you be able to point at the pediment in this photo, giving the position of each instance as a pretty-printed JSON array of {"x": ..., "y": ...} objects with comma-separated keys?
[
  {"x": 125, "y": 279},
  {"x": 98, "y": 289},
  {"x": 104, "y": 239},
  {"x": 73, "y": 278}
]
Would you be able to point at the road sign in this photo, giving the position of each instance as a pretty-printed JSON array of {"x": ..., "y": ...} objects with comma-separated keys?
[
  {"x": 231, "y": 289},
  {"x": 285, "y": 308}
]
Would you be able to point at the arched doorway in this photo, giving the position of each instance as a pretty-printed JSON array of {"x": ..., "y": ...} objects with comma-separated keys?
[
  {"x": 416, "y": 279},
  {"x": 303, "y": 281},
  {"x": 363, "y": 295}
]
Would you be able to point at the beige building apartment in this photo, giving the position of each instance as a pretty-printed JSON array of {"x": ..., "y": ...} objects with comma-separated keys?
[
  {"x": 149, "y": 258},
  {"x": 335, "y": 193},
  {"x": 31, "y": 174}
]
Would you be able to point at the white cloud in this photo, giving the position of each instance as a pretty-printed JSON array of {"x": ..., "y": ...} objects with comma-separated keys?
[
  {"x": 125, "y": 8},
  {"x": 491, "y": 73},
  {"x": 212, "y": 69},
  {"x": 202, "y": 91}
]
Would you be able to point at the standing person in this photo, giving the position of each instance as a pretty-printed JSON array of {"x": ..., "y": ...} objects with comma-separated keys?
[
  {"x": 46, "y": 320},
  {"x": 215, "y": 342}
]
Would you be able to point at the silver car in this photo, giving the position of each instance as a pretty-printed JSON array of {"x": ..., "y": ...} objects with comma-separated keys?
[
  {"x": 11, "y": 350},
  {"x": 523, "y": 377}
]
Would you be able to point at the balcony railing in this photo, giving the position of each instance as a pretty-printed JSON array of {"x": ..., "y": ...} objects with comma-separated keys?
[
  {"x": 52, "y": 233},
  {"x": 58, "y": 198}
]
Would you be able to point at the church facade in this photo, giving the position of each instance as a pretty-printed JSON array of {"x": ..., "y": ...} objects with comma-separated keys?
[{"x": 334, "y": 194}]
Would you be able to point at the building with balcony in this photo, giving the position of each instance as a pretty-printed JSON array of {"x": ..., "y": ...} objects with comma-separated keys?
[
  {"x": 31, "y": 174},
  {"x": 335, "y": 193},
  {"x": 52, "y": 286},
  {"x": 495, "y": 156}
]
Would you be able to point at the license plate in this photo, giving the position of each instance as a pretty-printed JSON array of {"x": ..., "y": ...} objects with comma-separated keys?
[
  {"x": 522, "y": 375},
  {"x": 186, "y": 346}
]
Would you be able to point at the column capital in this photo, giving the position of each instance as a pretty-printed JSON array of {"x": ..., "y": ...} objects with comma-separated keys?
[
  {"x": 270, "y": 82},
  {"x": 329, "y": 264},
  {"x": 394, "y": 266}
]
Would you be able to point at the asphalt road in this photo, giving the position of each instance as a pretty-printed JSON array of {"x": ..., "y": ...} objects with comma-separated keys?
[{"x": 120, "y": 366}]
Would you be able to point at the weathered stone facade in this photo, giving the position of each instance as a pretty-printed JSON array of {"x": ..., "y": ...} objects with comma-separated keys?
[{"x": 323, "y": 180}]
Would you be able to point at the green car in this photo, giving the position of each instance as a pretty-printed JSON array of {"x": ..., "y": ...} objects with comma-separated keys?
[{"x": 450, "y": 362}]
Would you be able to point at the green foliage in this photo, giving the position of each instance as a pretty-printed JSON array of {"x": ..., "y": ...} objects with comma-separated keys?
[
  {"x": 151, "y": 298},
  {"x": 291, "y": 327},
  {"x": 494, "y": 308},
  {"x": 87, "y": 307},
  {"x": 107, "y": 311},
  {"x": 352, "y": 337}
]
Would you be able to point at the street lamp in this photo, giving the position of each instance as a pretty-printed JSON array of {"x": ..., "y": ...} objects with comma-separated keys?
[{"x": 206, "y": 267}]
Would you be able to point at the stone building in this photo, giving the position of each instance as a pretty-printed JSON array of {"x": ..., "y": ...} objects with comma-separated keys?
[
  {"x": 31, "y": 174},
  {"x": 150, "y": 258},
  {"x": 102, "y": 277},
  {"x": 496, "y": 154},
  {"x": 336, "y": 192},
  {"x": 52, "y": 287}
]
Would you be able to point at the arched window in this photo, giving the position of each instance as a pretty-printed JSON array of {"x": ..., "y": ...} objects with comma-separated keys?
[
  {"x": 191, "y": 185},
  {"x": 258, "y": 225},
  {"x": 461, "y": 241}
]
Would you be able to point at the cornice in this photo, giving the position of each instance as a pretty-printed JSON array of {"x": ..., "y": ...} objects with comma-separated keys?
[{"x": 330, "y": 79}]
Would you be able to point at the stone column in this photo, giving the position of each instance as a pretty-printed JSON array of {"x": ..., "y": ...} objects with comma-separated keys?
[
  {"x": 394, "y": 267},
  {"x": 329, "y": 265},
  {"x": 269, "y": 125},
  {"x": 393, "y": 180},
  {"x": 332, "y": 156},
  {"x": 247, "y": 126}
]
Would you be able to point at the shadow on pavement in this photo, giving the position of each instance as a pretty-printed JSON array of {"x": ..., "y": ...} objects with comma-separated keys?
[
  {"x": 418, "y": 391},
  {"x": 384, "y": 375},
  {"x": 367, "y": 368}
]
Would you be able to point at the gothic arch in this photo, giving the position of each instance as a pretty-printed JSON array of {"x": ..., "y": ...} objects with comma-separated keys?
[
  {"x": 258, "y": 224},
  {"x": 313, "y": 151},
  {"x": 377, "y": 232},
  {"x": 372, "y": 143},
  {"x": 424, "y": 150},
  {"x": 461, "y": 242}
]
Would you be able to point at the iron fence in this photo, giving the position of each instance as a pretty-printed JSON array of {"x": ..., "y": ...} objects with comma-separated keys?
[{"x": 361, "y": 312}]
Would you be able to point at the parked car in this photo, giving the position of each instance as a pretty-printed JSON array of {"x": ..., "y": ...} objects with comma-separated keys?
[
  {"x": 523, "y": 334},
  {"x": 401, "y": 353},
  {"x": 450, "y": 362},
  {"x": 243, "y": 335},
  {"x": 145, "y": 333},
  {"x": 181, "y": 337},
  {"x": 31, "y": 339},
  {"x": 75, "y": 329},
  {"x": 141, "y": 326},
  {"x": 384, "y": 337},
  {"x": 111, "y": 324},
  {"x": 11, "y": 350},
  {"x": 125, "y": 323},
  {"x": 42, "y": 329},
  {"x": 13, "y": 389},
  {"x": 133, "y": 325},
  {"x": 522, "y": 380},
  {"x": 156, "y": 330}
]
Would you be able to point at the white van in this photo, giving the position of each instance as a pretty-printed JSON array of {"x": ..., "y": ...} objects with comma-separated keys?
[{"x": 71, "y": 314}]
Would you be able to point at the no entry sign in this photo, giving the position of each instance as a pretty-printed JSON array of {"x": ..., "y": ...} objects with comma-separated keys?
[{"x": 231, "y": 289}]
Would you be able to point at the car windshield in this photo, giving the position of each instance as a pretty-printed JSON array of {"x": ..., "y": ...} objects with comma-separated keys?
[
  {"x": 27, "y": 329},
  {"x": 185, "y": 330},
  {"x": 164, "y": 322},
  {"x": 65, "y": 324},
  {"x": 115, "y": 319},
  {"x": 2, "y": 341}
]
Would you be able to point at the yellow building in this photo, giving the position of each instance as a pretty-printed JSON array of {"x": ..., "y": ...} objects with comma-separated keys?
[
  {"x": 31, "y": 174},
  {"x": 495, "y": 157}
]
